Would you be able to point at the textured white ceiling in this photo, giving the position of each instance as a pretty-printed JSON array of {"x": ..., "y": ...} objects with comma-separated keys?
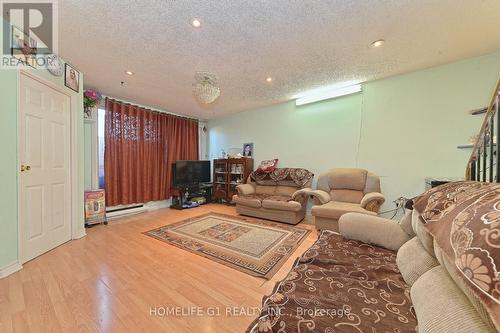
[{"x": 301, "y": 44}]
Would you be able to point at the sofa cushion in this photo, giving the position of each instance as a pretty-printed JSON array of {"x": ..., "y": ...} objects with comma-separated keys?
[
  {"x": 351, "y": 196},
  {"x": 372, "y": 230},
  {"x": 423, "y": 235},
  {"x": 265, "y": 182},
  {"x": 244, "y": 189},
  {"x": 335, "y": 209},
  {"x": 438, "y": 254},
  {"x": 372, "y": 183},
  {"x": 413, "y": 260},
  {"x": 250, "y": 200},
  {"x": 263, "y": 189},
  {"x": 455, "y": 275},
  {"x": 441, "y": 306},
  {"x": 441, "y": 200},
  {"x": 281, "y": 203},
  {"x": 351, "y": 179},
  {"x": 285, "y": 190},
  {"x": 464, "y": 220}
]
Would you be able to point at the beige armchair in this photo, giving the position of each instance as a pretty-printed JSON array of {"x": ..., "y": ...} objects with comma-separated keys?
[{"x": 341, "y": 191}]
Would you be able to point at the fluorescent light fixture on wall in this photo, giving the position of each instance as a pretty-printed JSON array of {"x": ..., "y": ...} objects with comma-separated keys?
[{"x": 326, "y": 93}]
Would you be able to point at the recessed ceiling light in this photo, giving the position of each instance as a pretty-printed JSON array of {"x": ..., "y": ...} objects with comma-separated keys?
[
  {"x": 196, "y": 23},
  {"x": 269, "y": 79},
  {"x": 129, "y": 72},
  {"x": 378, "y": 43}
]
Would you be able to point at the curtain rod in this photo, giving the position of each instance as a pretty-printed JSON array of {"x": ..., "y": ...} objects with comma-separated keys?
[{"x": 149, "y": 110}]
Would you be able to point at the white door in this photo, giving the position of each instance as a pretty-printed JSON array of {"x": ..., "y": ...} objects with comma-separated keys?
[{"x": 44, "y": 155}]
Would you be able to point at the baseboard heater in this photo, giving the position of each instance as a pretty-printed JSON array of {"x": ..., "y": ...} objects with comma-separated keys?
[{"x": 121, "y": 211}]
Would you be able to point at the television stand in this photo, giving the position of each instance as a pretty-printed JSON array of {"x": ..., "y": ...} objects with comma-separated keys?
[{"x": 182, "y": 195}]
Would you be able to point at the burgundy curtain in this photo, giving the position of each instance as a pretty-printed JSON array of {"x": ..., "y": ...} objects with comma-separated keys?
[
  {"x": 140, "y": 147},
  {"x": 182, "y": 142}
]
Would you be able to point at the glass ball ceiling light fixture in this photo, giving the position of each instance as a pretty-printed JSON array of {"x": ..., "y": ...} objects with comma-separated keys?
[{"x": 205, "y": 89}]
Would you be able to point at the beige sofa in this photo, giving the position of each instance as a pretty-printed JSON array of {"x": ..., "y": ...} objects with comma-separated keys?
[
  {"x": 381, "y": 269},
  {"x": 280, "y": 196},
  {"x": 341, "y": 191}
]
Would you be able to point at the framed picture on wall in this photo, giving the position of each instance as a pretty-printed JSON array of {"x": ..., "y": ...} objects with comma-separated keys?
[
  {"x": 247, "y": 150},
  {"x": 71, "y": 78}
]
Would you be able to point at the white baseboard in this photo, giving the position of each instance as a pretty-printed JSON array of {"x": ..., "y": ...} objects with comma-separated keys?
[
  {"x": 153, "y": 205},
  {"x": 125, "y": 212},
  {"x": 79, "y": 235},
  {"x": 10, "y": 268}
]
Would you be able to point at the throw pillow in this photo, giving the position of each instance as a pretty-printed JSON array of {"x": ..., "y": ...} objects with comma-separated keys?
[
  {"x": 267, "y": 166},
  {"x": 464, "y": 219}
]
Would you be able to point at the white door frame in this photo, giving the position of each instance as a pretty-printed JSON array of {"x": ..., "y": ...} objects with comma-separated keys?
[{"x": 77, "y": 228}]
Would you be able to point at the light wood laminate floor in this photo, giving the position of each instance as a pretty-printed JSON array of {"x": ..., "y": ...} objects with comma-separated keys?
[{"x": 115, "y": 277}]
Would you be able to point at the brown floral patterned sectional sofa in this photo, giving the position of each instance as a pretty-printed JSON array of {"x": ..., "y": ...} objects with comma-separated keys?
[{"x": 437, "y": 270}]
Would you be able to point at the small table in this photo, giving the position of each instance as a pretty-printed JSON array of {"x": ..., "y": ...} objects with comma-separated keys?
[{"x": 182, "y": 195}]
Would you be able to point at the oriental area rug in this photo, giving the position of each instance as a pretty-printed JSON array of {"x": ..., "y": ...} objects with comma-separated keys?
[{"x": 250, "y": 245}]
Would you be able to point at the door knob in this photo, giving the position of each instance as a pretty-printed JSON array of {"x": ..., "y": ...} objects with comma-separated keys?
[{"x": 25, "y": 168}]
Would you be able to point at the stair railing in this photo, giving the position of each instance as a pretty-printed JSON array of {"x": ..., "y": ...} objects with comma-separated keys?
[{"x": 484, "y": 161}]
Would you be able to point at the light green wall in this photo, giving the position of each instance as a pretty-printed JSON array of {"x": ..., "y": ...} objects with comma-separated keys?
[
  {"x": 8, "y": 167},
  {"x": 413, "y": 123},
  {"x": 314, "y": 137},
  {"x": 403, "y": 128},
  {"x": 9, "y": 160}
]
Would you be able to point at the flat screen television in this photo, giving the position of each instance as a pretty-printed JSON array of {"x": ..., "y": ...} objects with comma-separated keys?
[{"x": 191, "y": 172}]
